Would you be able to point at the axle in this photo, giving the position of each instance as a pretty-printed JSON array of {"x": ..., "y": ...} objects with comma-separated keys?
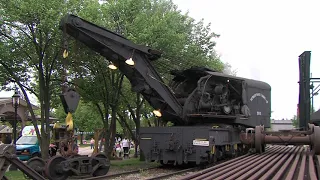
[{"x": 258, "y": 138}]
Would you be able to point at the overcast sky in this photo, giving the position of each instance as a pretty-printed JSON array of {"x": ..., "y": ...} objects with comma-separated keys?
[{"x": 262, "y": 39}]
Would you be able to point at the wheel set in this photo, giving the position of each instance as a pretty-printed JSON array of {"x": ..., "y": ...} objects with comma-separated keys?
[
  {"x": 310, "y": 137},
  {"x": 60, "y": 168},
  {"x": 37, "y": 164}
]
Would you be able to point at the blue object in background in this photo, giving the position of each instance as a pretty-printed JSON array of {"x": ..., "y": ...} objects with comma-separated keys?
[{"x": 27, "y": 145}]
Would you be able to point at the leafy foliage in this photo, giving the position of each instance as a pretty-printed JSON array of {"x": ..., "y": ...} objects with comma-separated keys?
[
  {"x": 160, "y": 25},
  {"x": 86, "y": 118}
]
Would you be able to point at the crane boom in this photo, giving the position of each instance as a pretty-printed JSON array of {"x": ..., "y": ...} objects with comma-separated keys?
[{"x": 143, "y": 77}]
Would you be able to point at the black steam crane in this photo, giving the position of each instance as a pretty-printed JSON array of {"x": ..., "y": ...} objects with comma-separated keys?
[{"x": 208, "y": 109}]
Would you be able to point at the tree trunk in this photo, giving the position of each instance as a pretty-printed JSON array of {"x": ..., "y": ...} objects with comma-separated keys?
[
  {"x": 137, "y": 139},
  {"x": 142, "y": 158},
  {"x": 106, "y": 138},
  {"x": 104, "y": 119},
  {"x": 44, "y": 98},
  {"x": 44, "y": 147},
  {"x": 46, "y": 137},
  {"x": 102, "y": 136},
  {"x": 112, "y": 130}
]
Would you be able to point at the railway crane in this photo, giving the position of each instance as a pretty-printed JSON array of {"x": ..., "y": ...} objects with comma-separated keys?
[
  {"x": 214, "y": 114},
  {"x": 209, "y": 109}
]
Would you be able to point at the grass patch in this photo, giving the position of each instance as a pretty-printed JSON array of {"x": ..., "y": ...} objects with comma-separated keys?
[{"x": 15, "y": 175}]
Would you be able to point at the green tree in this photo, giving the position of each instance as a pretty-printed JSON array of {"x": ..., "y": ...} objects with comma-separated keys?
[
  {"x": 160, "y": 25},
  {"x": 31, "y": 50},
  {"x": 99, "y": 85}
]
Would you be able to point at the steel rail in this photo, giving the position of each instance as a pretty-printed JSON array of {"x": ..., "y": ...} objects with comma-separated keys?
[{"x": 120, "y": 174}]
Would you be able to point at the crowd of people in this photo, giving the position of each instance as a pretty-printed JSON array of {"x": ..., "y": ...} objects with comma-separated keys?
[{"x": 121, "y": 147}]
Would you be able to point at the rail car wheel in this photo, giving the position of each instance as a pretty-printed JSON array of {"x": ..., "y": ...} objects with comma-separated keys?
[
  {"x": 258, "y": 139},
  {"x": 102, "y": 170},
  {"x": 316, "y": 140},
  {"x": 54, "y": 169},
  {"x": 36, "y": 164}
]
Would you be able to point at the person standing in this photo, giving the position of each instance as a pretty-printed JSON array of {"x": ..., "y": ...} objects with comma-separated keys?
[
  {"x": 92, "y": 143},
  {"x": 118, "y": 149},
  {"x": 125, "y": 146}
]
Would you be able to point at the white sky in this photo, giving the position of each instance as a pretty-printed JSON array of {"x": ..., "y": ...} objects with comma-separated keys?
[{"x": 262, "y": 39}]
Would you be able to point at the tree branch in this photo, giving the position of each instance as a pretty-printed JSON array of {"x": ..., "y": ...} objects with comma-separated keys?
[
  {"x": 123, "y": 120},
  {"x": 119, "y": 87},
  {"x": 27, "y": 88},
  {"x": 100, "y": 111},
  {"x": 17, "y": 79},
  {"x": 139, "y": 105},
  {"x": 18, "y": 45},
  {"x": 52, "y": 64},
  {"x": 104, "y": 94},
  {"x": 19, "y": 28},
  {"x": 34, "y": 39}
]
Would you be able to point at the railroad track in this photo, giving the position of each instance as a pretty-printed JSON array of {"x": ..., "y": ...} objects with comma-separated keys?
[
  {"x": 158, "y": 177},
  {"x": 173, "y": 173},
  {"x": 278, "y": 162},
  {"x": 108, "y": 176},
  {"x": 145, "y": 170}
]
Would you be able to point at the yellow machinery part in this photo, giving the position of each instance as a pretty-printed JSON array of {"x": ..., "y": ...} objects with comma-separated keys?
[
  {"x": 55, "y": 126},
  {"x": 69, "y": 122},
  {"x": 227, "y": 147},
  {"x": 65, "y": 54},
  {"x": 213, "y": 149}
]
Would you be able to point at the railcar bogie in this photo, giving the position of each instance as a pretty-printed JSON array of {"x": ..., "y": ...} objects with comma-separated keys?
[{"x": 193, "y": 144}]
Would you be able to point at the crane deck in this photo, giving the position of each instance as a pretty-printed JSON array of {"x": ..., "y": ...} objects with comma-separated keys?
[{"x": 277, "y": 162}]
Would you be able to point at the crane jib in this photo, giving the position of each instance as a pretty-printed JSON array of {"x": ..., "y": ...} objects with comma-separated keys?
[{"x": 117, "y": 49}]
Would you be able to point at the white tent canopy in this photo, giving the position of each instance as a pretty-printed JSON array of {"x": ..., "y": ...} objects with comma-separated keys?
[{"x": 5, "y": 129}]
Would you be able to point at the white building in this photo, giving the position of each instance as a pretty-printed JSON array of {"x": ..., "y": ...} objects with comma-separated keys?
[{"x": 277, "y": 125}]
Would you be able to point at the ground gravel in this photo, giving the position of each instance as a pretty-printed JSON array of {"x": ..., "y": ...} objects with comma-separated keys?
[{"x": 146, "y": 174}]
